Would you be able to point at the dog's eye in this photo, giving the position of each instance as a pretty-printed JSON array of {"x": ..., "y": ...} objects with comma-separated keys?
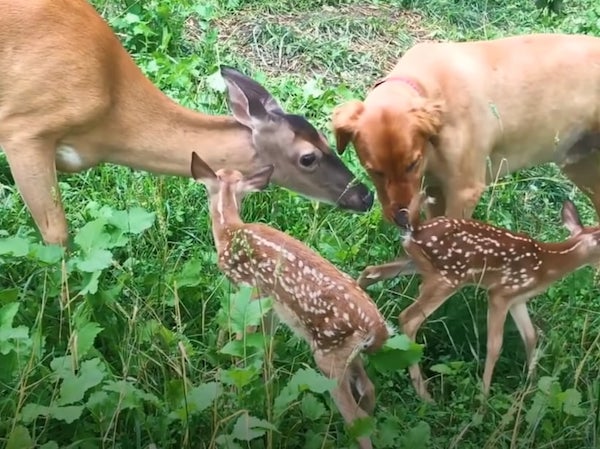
[
  {"x": 413, "y": 165},
  {"x": 306, "y": 160}
]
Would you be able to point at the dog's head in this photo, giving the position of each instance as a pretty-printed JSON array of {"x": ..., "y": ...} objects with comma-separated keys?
[{"x": 391, "y": 142}]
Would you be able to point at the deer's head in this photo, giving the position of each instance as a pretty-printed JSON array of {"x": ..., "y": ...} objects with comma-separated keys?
[{"x": 303, "y": 160}]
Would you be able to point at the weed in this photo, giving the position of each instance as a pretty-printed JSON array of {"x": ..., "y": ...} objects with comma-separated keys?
[{"x": 127, "y": 341}]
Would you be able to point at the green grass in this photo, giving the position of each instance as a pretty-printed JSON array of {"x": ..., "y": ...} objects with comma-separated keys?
[{"x": 147, "y": 340}]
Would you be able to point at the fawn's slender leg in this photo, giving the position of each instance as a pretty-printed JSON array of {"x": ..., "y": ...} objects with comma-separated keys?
[
  {"x": 496, "y": 317},
  {"x": 334, "y": 364},
  {"x": 362, "y": 387},
  {"x": 376, "y": 273},
  {"x": 33, "y": 166},
  {"x": 433, "y": 293},
  {"x": 522, "y": 319}
]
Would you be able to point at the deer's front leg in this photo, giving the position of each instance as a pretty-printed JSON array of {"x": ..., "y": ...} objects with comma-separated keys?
[
  {"x": 33, "y": 166},
  {"x": 433, "y": 293},
  {"x": 334, "y": 364},
  {"x": 375, "y": 273}
]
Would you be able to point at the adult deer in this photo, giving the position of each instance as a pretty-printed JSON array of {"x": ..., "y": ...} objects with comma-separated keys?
[
  {"x": 71, "y": 97},
  {"x": 450, "y": 253},
  {"x": 317, "y": 301}
]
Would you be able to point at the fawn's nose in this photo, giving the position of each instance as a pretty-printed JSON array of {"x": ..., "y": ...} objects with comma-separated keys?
[{"x": 401, "y": 218}]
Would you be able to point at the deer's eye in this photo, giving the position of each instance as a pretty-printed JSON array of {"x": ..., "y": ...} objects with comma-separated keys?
[{"x": 308, "y": 160}]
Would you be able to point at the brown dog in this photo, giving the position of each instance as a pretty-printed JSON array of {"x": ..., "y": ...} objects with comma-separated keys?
[{"x": 459, "y": 115}]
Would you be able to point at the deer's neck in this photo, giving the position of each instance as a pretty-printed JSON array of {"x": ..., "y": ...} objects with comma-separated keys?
[
  {"x": 149, "y": 131},
  {"x": 563, "y": 257},
  {"x": 225, "y": 216}
]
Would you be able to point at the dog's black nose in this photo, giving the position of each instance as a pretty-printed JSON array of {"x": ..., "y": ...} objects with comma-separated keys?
[{"x": 401, "y": 218}]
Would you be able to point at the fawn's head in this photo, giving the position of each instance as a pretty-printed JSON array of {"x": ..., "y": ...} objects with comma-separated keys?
[{"x": 227, "y": 188}]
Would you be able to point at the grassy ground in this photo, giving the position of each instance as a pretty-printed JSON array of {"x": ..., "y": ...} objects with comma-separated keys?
[{"x": 131, "y": 351}]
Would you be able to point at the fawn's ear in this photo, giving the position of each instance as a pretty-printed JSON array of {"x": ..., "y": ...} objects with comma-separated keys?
[
  {"x": 570, "y": 218},
  {"x": 258, "y": 180},
  {"x": 201, "y": 172},
  {"x": 344, "y": 121}
]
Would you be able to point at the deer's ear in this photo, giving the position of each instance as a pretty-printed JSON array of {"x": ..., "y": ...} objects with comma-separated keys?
[
  {"x": 250, "y": 102},
  {"x": 258, "y": 180},
  {"x": 201, "y": 172},
  {"x": 570, "y": 218},
  {"x": 344, "y": 121}
]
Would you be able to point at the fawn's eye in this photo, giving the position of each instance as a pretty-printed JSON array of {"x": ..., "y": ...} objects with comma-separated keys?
[
  {"x": 307, "y": 160},
  {"x": 413, "y": 165}
]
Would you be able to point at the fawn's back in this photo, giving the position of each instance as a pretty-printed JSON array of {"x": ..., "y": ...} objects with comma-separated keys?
[
  {"x": 464, "y": 251},
  {"x": 311, "y": 295}
]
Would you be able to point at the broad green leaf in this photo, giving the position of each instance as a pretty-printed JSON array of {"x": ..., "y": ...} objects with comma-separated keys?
[
  {"x": 134, "y": 221},
  {"x": 86, "y": 335},
  {"x": 250, "y": 344},
  {"x": 19, "y": 438},
  {"x": 227, "y": 442},
  {"x": 198, "y": 399},
  {"x": 240, "y": 377},
  {"x": 50, "y": 445},
  {"x": 571, "y": 402},
  {"x": 9, "y": 295},
  {"x": 62, "y": 366},
  {"x": 312, "y": 408},
  {"x": 390, "y": 429},
  {"x": 400, "y": 342},
  {"x": 244, "y": 312},
  {"x": 537, "y": 409},
  {"x": 362, "y": 427},
  {"x": 67, "y": 414},
  {"x": 398, "y": 353},
  {"x": 442, "y": 368},
  {"x": 302, "y": 380},
  {"x": 73, "y": 388},
  {"x": 15, "y": 246},
  {"x": 31, "y": 411},
  {"x": 191, "y": 273},
  {"x": 216, "y": 82},
  {"x": 248, "y": 428},
  {"x": 129, "y": 395},
  {"x": 7, "y": 314},
  {"x": 90, "y": 283},
  {"x": 96, "y": 260},
  {"x": 92, "y": 235},
  {"x": 9, "y": 334},
  {"x": 312, "y": 380},
  {"x": 417, "y": 437},
  {"x": 202, "y": 397},
  {"x": 49, "y": 254}
]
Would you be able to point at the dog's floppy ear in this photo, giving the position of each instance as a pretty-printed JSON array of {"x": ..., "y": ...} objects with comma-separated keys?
[
  {"x": 344, "y": 121},
  {"x": 430, "y": 117}
]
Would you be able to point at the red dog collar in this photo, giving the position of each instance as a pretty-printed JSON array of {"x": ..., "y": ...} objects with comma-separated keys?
[{"x": 402, "y": 79}]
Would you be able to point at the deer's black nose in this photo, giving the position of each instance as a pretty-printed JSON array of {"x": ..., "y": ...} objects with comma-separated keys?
[{"x": 401, "y": 218}]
